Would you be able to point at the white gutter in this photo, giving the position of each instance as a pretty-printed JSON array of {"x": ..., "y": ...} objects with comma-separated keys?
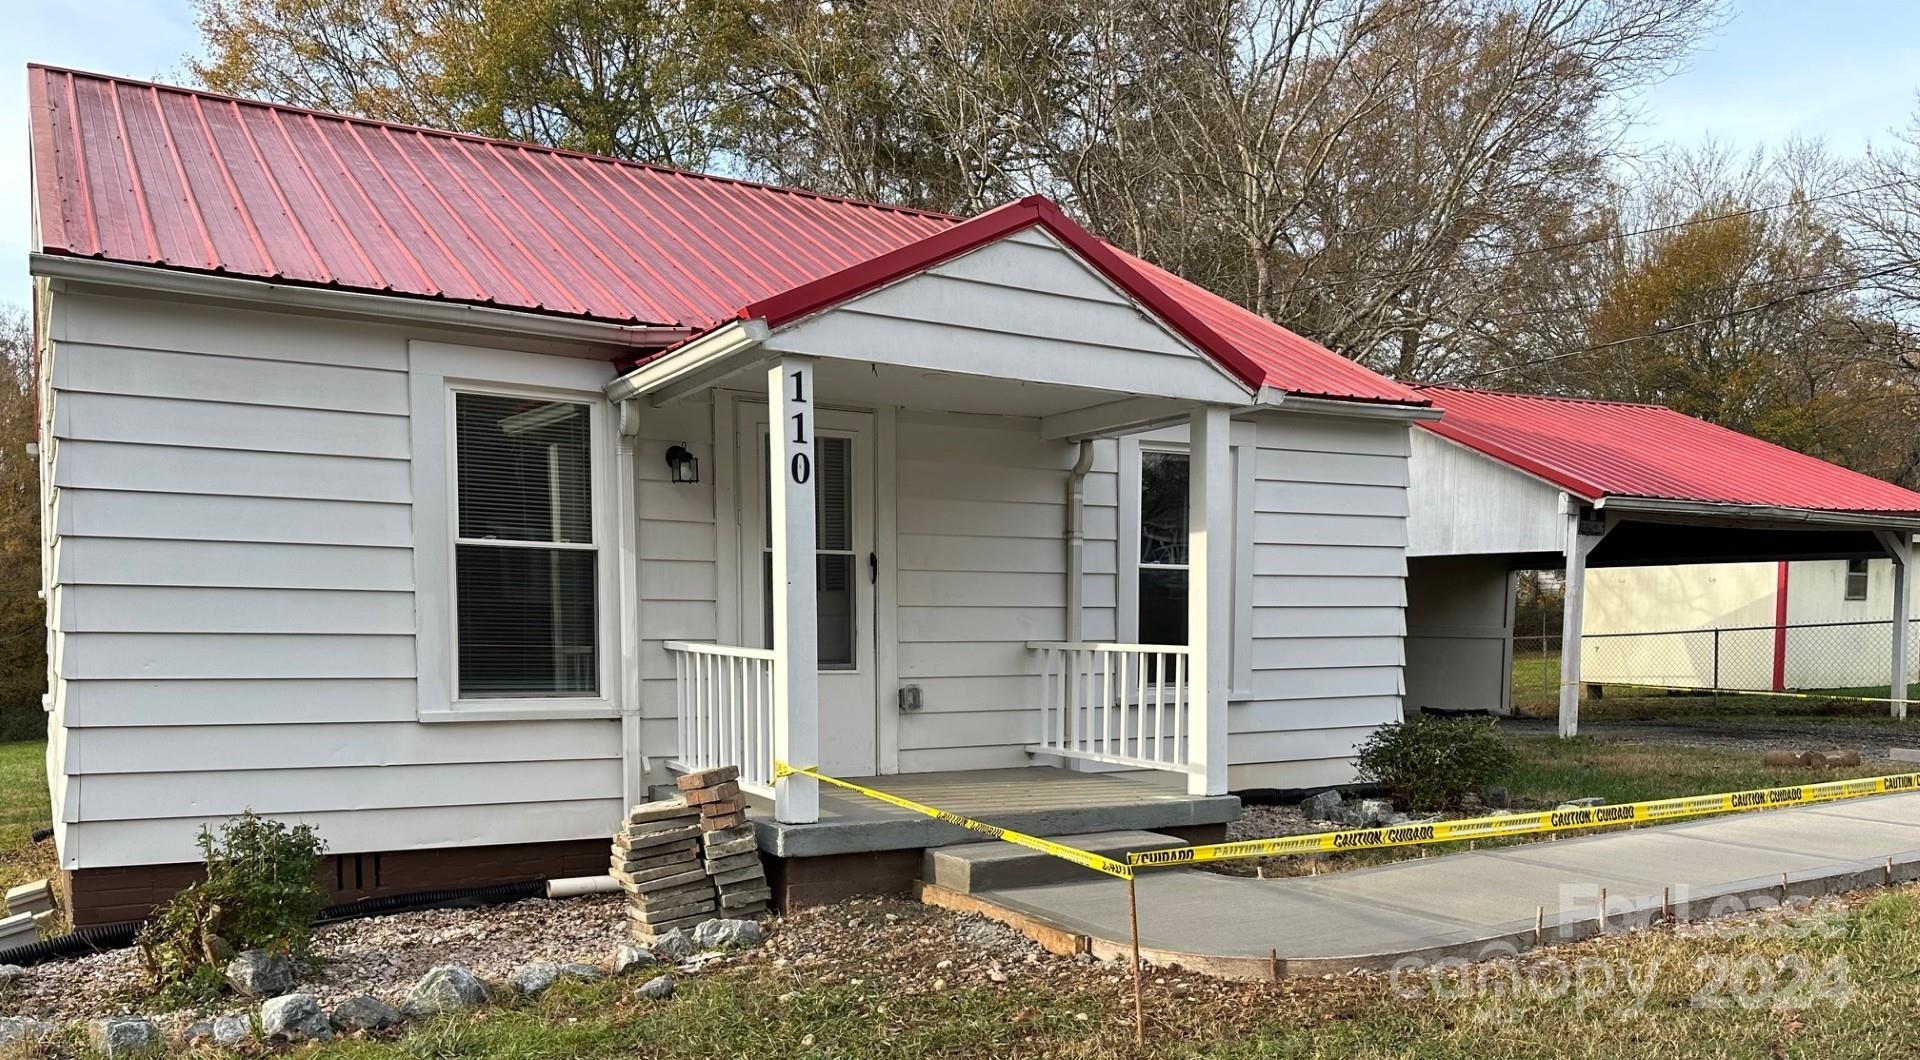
[
  {"x": 1077, "y": 540},
  {"x": 1757, "y": 512},
  {"x": 59, "y": 267},
  {"x": 692, "y": 365}
]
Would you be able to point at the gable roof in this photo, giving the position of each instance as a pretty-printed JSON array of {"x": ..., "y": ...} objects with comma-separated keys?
[
  {"x": 155, "y": 175},
  {"x": 1598, "y": 449}
]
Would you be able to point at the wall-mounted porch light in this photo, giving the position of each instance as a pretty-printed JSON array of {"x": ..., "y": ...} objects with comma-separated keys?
[{"x": 683, "y": 465}]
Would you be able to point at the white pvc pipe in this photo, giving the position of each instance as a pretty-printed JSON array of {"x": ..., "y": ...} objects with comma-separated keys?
[{"x": 577, "y": 886}]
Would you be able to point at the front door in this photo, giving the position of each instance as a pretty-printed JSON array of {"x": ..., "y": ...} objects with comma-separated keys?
[{"x": 844, "y": 566}]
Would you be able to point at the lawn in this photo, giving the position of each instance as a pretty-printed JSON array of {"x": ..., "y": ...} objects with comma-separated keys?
[
  {"x": 1839, "y": 983},
  {"x": 23, "y": 808},
  {"x": 1536, "y": 693}
]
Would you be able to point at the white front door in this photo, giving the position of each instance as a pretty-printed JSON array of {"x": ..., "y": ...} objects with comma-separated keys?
[{"x": 845, "y": 564}]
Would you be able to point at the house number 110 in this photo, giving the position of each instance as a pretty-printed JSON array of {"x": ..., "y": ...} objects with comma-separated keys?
[{"x": 801, "y": 467}]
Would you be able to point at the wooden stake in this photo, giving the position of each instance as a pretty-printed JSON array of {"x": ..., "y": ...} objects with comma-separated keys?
[
  {"x": 1889, "y": 871},
  {"x": 1783, "y": 888},
  {"x": 1273, "y": 964},
  {"x": 1603, "y": 910},
  {"x": 1666, "y": 904},
  {"x": 1139, "y": 1006},
  {"x": 1539, "y": 925}
]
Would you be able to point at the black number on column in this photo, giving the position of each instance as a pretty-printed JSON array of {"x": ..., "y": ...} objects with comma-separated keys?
[{"x": 802, "y": 468}]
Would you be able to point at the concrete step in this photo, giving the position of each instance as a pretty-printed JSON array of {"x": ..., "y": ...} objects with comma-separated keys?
[{"x": 970, "y": 867}]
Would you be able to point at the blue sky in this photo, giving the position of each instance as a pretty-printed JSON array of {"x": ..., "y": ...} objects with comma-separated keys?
[{"x": 1843, "y": 70}]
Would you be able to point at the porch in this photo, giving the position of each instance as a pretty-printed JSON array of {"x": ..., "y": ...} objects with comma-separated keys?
[{"x": 900, "y": 539}]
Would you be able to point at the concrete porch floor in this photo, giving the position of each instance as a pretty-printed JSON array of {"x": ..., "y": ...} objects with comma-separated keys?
[{"x": 1039, "y": 800}]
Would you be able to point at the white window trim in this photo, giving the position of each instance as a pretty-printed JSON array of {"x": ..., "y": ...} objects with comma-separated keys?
[
  {"x": 438, "y": 371},
  {"x": 1127, "y": 593},
  {"x": 1846, "y": 581}
]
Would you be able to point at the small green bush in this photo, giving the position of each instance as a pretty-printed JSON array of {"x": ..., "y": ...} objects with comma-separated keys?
[
  {"x": 1432, "y": 763},
  {"x": 261, "y": 892}
]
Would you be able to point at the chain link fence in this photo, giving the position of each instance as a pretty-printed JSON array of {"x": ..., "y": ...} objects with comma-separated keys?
[{"x": 1844, "y": 658}]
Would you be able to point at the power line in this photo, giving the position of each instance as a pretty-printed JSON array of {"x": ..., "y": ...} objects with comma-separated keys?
[
  {"x": 1590, "y": 240},
  {"x": 1672, "y": 328}
]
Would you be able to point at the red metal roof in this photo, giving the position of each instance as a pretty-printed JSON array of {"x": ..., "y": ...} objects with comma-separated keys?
[
  {"x": 1597, "y": 449},
  {"x": 149, "y": 174}
]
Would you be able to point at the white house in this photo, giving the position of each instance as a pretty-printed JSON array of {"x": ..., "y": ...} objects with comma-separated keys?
[
  {"x": 1782, "y": 626},
  {"x": 1510, "y": 482},
  {"x": 446, "y": 493}
]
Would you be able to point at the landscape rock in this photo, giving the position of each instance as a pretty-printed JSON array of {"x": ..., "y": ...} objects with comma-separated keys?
[
  {"x": 364, "y": 1013},
  {"x": 1369, "y": 812},
  {"x": 628, "y": 956},
  {"x": 221, "y": 1030},
  {"x": 10, "y": 972},
  {"x": 1583, "y": 802},
  {"x": 1322, "y": 807},
  {"x": 532, "y": 980},
  {"x": 1498, "y": 797},
  {"x": 659, "y": 988},
  {"x": 261, "y": 973},
  {"x": 446, "y": 988},
  {"x": 576, "y": 970},
  {"x": 673, "y": 946},
  {"x": 124, "y": 1035},
  {"x": 21, "y": 1029},
  {"x": 717, "y": 934},
  {"x": 295, "y": 1018}
]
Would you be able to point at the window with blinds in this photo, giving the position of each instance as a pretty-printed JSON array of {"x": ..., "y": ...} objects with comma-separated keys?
[{"x": 525, "y": 562}]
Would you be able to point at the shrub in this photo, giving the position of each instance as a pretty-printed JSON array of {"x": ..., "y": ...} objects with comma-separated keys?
[
  {"x": 261, "y": 892},
  {"x": 1432, "y": 763}
]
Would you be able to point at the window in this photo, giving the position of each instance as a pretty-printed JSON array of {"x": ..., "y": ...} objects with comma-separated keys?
[
  {"x": 1856, "y": 579},
  {"x": 1163, "y": 547},
  {"x": 834, "y": 557},
  {"x": 526, "y": 566}
]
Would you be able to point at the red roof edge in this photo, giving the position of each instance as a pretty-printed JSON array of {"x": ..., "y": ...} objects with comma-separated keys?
[
  {"x": 1033, "y": 211},
  {"x": 1571, "y": 483}
]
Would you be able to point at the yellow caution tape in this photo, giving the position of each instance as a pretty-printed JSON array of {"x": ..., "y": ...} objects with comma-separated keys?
[
  {"x": 1528, "y": 823},
  {"x": 1083, "y": 858}
]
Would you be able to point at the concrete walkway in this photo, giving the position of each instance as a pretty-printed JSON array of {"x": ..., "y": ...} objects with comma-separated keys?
[{"x": 1477, "y": 904}]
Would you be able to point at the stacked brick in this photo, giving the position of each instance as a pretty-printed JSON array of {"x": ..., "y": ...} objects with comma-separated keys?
[
  {"x": 730, "y": 854},
  {"x": 656, "y": 858},
  {"x": 690, "y": 859}
]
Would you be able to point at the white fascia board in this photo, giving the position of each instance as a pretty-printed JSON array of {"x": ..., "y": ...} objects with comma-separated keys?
[
  {"x": 384, "y": 307},
  {"x": 698, "y": 364}
]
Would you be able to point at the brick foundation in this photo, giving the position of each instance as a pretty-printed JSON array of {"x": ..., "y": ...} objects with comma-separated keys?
[{"x": 106, "y": 896}]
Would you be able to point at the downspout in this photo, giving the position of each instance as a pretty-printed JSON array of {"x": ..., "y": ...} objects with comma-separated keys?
[
  {"x": 634, "y": 765},
  {"x": 1077, "y": 540}
]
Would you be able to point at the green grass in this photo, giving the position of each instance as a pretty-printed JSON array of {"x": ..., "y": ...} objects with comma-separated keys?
[
  {"x": 1786, "y": 1004},
  {"x": 23, "y": 808},
  {"x": 1536, "y": 693},
  {"x": 1550, "y": 771}
]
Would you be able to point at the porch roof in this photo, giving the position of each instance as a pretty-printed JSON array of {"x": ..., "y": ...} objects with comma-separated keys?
[{"x": 166, "y": 177}]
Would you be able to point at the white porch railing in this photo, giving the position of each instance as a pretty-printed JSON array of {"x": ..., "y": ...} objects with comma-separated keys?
[
  {"x": 725, "y": 700},
  {"x": 1121, "y": 704}
]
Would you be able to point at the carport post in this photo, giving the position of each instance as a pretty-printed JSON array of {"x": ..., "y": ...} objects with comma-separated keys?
[
  {"x": 1899, "y": 545},
  {"x": 796, "y": 690},
  {"x": 1573, "y": 600}
]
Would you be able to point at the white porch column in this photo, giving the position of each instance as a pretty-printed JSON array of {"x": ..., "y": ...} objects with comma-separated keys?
[
  {"x": 1209, "y": 597},
  {"x": 1578, "y": 545},
  {"x": 796, "y": 671},
  {"x": 1900, "y": 546}
]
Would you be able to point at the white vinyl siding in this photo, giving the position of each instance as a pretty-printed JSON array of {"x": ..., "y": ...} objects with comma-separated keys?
[
  {"x": 232, "y": 599},
  {"x": 1328, "y": 598}
]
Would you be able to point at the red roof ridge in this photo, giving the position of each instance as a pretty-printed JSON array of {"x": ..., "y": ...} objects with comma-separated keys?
[{"x": 427, "y": 130}]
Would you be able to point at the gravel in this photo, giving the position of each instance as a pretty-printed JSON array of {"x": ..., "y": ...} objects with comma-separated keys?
[{"x": 382, "y": 957}]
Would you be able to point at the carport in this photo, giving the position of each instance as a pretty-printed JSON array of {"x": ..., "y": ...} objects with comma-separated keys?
[{"x": 1509, "y": 482}]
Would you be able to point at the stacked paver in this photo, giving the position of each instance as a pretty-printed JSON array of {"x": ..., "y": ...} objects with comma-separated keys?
[
  {"x": 656, "y": 858},
  {"x": 690, "y": 859},
  {"x": 731, "y": 855}
]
